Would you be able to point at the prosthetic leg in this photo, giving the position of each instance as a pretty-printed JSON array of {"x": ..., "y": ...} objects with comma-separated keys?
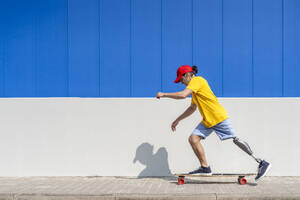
[{"x": 246, "y": 148}]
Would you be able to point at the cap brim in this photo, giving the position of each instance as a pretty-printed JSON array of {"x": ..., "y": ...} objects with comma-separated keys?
[{"x": 177, "y": 79}]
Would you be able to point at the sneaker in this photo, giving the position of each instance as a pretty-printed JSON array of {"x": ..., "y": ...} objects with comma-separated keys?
[
  {"x": 202, "y": 170},
  {"x": 263, "y": 168}
]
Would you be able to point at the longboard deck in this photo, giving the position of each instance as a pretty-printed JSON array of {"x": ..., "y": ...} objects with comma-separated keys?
[{"x": 241, "y": 176}]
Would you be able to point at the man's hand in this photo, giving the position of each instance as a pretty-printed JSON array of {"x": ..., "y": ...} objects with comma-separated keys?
[
  {"x": 159, "y": 94},
  {"x": 174, "y": 124}
]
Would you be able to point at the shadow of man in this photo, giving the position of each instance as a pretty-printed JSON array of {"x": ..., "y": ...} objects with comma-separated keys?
[{"x": 156, "y": 164}]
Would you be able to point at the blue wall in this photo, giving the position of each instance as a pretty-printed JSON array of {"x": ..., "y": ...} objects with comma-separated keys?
[{"x": 132, "y": 48}]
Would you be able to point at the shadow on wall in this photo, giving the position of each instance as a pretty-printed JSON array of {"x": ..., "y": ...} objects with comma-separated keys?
[{"x": 156, "y": 164}]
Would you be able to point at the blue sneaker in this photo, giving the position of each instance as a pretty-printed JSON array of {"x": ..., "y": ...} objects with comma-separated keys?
[
  {"x": 202, "y": 171},
  {"x": 263, "y": 168}
]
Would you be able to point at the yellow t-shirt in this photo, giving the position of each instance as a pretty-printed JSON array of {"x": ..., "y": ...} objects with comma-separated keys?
[{"x": 210, "y": 108}]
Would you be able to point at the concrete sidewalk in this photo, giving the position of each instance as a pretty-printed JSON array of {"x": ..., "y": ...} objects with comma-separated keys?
[{"x": 99, "y": 188}]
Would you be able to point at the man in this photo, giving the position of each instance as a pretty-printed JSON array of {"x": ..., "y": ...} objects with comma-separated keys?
[{"x": 215, "y": 118}]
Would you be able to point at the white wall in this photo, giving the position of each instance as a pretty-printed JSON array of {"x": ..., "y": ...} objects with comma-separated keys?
[{"x": 76, "y": 136}]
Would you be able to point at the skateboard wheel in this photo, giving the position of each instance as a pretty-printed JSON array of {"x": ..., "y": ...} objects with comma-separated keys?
[
  {"x": 180, "y": 181},
  {"x": 242, "y": 181}
]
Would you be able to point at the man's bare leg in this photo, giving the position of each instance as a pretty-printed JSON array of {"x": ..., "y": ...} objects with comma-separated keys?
[{"x": 194, "y": 140}]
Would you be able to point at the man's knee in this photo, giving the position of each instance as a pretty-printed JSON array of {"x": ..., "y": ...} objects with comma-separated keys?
[{"x": 193, "y": 139}]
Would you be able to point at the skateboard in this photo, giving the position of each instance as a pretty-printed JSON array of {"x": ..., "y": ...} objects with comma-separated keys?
[{"x": 241, "y": 177}]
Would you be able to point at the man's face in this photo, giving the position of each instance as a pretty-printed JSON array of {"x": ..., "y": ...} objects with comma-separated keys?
[{"x": 184, "y": 79}]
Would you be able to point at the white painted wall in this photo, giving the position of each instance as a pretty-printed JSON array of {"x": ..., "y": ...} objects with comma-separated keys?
[{"x": 87, "y": 137}]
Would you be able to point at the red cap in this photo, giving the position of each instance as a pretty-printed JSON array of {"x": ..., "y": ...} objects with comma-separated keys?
[{"x": 181, "y": 71}]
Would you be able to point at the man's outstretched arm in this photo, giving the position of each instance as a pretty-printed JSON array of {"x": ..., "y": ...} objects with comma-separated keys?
[{"x": 175, "y": 95}]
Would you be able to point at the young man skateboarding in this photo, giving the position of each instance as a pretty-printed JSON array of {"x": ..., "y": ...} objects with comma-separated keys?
[{"x": 215, "y": 118}]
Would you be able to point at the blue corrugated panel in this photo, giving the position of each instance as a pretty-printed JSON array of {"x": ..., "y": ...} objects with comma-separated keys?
[
  {"x": 177, "y": 40},
  {"x": 19, "y": 62},
  {"x": 267, "y": 47},
  {"x": 52, "y": 49},
  {"x": 83, "y": 18},
  {"x": 115, "y": 68},
  {"x": 291, "y": 49},
  {"x": 237, "y": 48},
  {"x": 1, "y": 66},
  {"x": 2, "y": 39},
  {"x": 207, "y": 41},
  {"x": 146, "y": 59}
]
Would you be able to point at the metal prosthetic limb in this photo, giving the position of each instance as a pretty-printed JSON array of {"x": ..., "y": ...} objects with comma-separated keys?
[{"x": 245, "y": 147}]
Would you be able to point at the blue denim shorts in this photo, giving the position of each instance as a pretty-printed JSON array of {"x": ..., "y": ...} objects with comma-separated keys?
[{"x": 223, "y": 130}]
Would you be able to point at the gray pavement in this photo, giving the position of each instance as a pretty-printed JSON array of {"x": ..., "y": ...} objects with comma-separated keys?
[{"x": 111, "y": 188}]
